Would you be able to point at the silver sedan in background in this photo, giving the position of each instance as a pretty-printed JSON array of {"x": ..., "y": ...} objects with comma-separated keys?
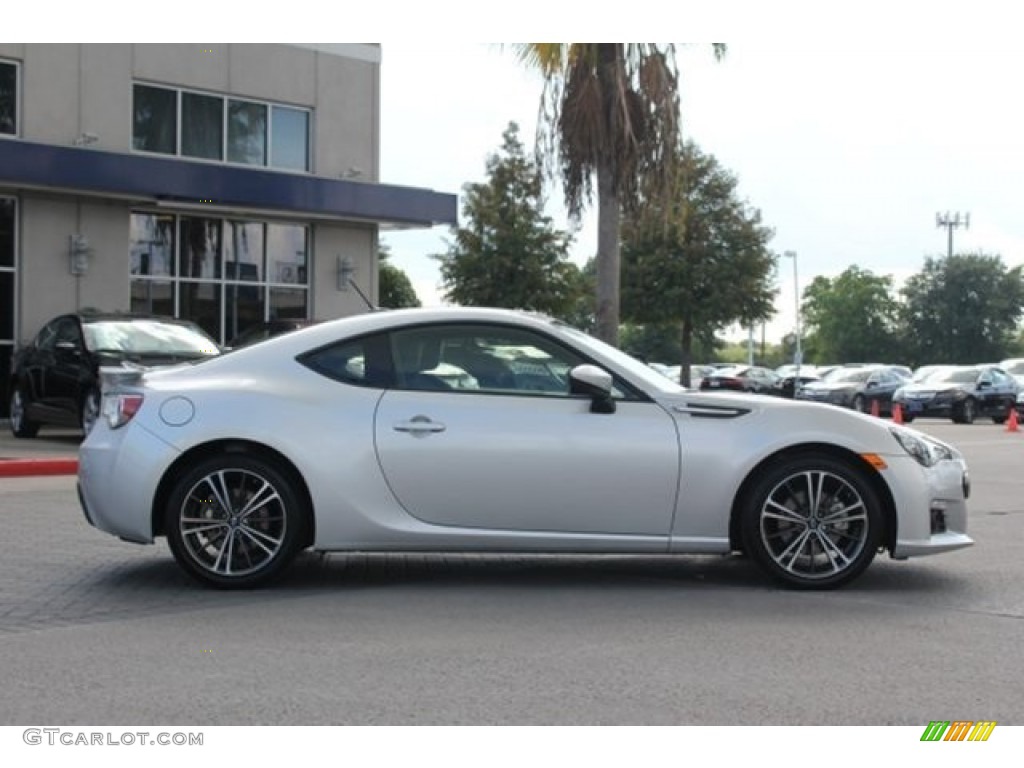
[{"x": 355, "y": 435}]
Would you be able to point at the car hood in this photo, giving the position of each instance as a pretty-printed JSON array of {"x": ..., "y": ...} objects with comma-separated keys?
[
  {"x": 934, "y": 387},
  {"x": 830, "y": 386},
  {"x": 775, "y": 423}
]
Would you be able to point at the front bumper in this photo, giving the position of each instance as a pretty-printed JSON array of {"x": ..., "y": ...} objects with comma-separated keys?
[{"x": 932, "y": 504}]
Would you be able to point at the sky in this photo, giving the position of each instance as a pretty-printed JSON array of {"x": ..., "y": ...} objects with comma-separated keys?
[
  {"x": 849, "y": 126},
  {"x": 849, "y": 150}
]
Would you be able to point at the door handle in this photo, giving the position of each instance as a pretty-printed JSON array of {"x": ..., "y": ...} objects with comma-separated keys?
[{"x": 419, "y": 426}]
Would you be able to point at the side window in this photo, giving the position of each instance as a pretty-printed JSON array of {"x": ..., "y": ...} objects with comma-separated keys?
[
  {"x": 47, "y": 337},
  {"x": 363, "y": 362},
  {"x": 484, "y": 359},
  {"x": 67, "y": 332}
]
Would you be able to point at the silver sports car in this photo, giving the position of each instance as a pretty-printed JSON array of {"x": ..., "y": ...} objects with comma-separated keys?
[{"x": 492, "y": 430}]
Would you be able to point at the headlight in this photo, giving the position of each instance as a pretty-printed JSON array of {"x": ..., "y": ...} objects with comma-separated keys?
[{"x": 926, "y": 451}]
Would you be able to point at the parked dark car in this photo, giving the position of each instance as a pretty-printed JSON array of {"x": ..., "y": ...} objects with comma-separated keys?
[
  {"x": 265, "y": 330},
  {"x": 961, "y": 393},
  {"x": 742, "y": 378},
  {"x": 858, "y": 387},
  {"x": 55, "y": 378},
  {"x": 789, "y": 384}
]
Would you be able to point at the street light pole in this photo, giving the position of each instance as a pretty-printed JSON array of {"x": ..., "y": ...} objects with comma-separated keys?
[{"x": 798, "y": 355}]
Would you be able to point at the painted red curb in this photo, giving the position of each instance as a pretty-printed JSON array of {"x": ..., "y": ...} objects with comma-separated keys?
[{"x": 38, "y": 467}]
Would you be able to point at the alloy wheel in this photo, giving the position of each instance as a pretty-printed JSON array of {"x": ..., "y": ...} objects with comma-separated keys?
[
  {"x": 233, "y": 522},
  {"x": 814, "y": 525}
]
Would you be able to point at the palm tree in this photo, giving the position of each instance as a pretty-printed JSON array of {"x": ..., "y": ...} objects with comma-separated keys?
[{"x": 609, "y": 111}]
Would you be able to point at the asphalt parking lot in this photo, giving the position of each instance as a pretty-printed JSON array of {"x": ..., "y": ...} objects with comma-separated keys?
[{"x": 94, "y": 630}]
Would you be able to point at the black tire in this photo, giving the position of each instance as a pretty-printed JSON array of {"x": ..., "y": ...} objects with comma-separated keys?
[
  {"x": 219, "y": 538},
  {"x": 999, "y": 419},
  {"x": 21, "y": 424},
  {"x": 859, "y": 404},
  {"x": 907, "y": 419},
  {"x": 89, "y": 411},
  {"x": 966, "y": 413},
  {"x": 812, "y": 548}
]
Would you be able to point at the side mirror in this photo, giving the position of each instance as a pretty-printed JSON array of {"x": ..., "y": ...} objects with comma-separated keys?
[{"x": 596, "y": 384}]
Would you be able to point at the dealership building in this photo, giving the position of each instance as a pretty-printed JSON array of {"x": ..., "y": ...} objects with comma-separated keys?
[{"x": 225, "y": 184}]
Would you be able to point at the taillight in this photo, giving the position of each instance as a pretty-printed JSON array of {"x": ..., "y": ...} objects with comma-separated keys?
[{"x": 119, "y": 409}]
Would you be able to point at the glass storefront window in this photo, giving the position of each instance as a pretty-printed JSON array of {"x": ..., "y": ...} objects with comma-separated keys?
[
  {"x": 243, "y": 250},
  {"x": 6, "y": 232},
  {"x": 290, "y": 145},
  {"x": 152, "y": 244},
  {"x": 225, "y": 275},
  {"x": 200, "y": 303},
  {"x": 199, "y": 255},
  {"x": 288, "y": 303},
  {"x": 155, "y": 119},
  {"x": 153, "y": 297},
  {"x": 202, "y": 126},
  {"x": 286, "y": 254}
]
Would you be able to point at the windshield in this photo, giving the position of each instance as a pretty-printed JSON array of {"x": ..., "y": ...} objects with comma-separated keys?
[
  {"x": 634, "y": 367},
  {"x": 148, "y": 337},
  {"x": 849, "y": 375},
  {"x": 1016, "y": 368},
  {"x": 956, "y": 376}
]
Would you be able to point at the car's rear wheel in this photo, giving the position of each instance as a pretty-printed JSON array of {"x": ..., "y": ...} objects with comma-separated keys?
[
  {"x": 21, "y": 424},
  {"x": 90, "y": 410},
  {"x": 860, "y": 404},
  {"x": 235, "y": 521},
  {"x": 812, "y": 522}
]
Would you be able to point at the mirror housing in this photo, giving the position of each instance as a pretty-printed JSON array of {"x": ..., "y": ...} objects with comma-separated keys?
[{"x": 595, "y": 383}]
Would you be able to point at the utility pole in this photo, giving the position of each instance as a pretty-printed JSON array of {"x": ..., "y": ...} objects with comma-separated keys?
[{"x": 951, "y": 222}]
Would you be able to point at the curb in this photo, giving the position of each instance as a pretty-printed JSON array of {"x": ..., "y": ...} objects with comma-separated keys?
[{"x": 38, "y": 467}]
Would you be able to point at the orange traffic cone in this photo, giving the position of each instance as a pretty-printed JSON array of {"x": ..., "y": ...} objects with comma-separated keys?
[
  {"x": 1011, "y": 423},
  {"x": 874, "y": 408},
  {"x": 897, "y": 413}
]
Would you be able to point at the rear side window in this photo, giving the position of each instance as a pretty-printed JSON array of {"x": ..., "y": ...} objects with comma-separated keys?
[{"x": 363, "y": 362}]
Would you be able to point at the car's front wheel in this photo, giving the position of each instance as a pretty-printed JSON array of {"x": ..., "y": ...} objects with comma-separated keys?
[
  {"x": 812, "y": 522},
  {"x": 21, "y": 424},
  {"x": 235, "y": 521},
  {"x": 966, "y": 412}
]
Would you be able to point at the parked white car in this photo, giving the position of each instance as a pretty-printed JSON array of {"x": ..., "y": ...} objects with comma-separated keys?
[{"x": 343, "y": 436}]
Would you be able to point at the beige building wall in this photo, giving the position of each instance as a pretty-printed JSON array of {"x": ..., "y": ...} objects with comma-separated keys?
[{"x": 73, "y": 92}]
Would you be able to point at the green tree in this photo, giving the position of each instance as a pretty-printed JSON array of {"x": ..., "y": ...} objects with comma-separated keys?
[
  {"x": 702, "y": 264},
  {"x": 610, "y": 112},
  {"x": 508, "y": 254},
  {"x": 852, "y": 317},
  {"x": 963, "y": 308},
  {"x": 396, "y": 289}
]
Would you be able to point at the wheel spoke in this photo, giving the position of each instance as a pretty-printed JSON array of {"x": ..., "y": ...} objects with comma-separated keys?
[
  {"x": 793, "y": 550},
  {"x": 782, "y": 512},
  {"x": 221, "y": 492},
  {"x": 201, "y": 525},
  {"x": 256, "y": 537},
  {"x": 259, "y": 500}
]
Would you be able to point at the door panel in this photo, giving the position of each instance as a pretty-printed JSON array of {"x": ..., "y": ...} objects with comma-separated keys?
[{"x": 536, "y": 463}]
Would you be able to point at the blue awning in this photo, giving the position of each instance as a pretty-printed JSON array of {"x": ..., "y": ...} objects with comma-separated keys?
[{"x": 176, "y": 180}]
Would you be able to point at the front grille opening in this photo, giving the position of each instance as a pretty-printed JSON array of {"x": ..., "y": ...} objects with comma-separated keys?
[{"x": 938, "y": 519}]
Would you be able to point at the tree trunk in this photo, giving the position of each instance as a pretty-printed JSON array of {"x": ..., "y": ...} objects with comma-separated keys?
[
  {"x": 686, "y": 352},
  {"x": 608, "y": 257}
]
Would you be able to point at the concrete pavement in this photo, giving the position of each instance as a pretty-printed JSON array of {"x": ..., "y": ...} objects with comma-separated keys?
[{"x": 53, "y": 452}]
